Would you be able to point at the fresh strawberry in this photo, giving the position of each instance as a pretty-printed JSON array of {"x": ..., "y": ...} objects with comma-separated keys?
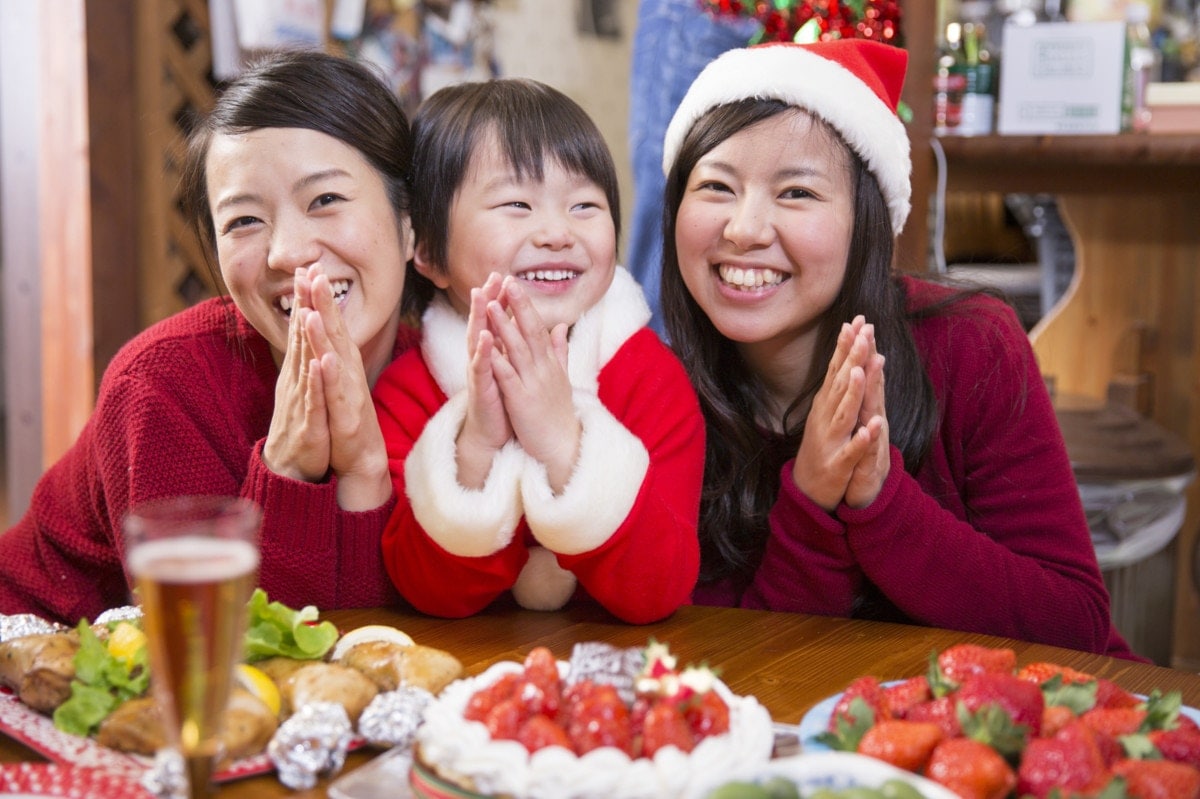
[
  {"x": 599, "y": 719},
  {"x": 963, "y": 660},
  {"x": 899, "y": 698},
  {"x": 541, "y": 667},
  {"x": 536, "y": 698},
  {"x": 1071, "y": 761},
  {"x": 637, "y": 718},
  {"x": 1109, "y": 694},
  {"x": 482, "y": 701},
  {"x": 1159, "y": 779},
  {"x": 505, "y": 720},
  {"x": 540, "y": 731},
  {"x": 663, "y": 726},
  {"x": 1181, "y": 744},
  {"x": 905, "y": 744},
  {"x": 1020, "y": 699},
  {"x": 1041, "y": 672},
  {"x": 1054, "y": 718},
  {"x": 1114, "y": 721},
  {"x": 866, "y": 688},
  {"x": 1186, "y": 723},
  {"x": 942, "y": 712},
  {"x": 971, "y": 769},
  {"x": 707, "y": 715}
]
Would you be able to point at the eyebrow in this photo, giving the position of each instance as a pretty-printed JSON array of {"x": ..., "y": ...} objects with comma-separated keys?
[
  {"x": 304, "y": 182},
  {"x": 788, "y": 172}
]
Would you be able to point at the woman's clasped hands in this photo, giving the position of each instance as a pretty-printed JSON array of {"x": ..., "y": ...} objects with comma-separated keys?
[
  {"x": 324, "y": 421},
  {"x": 844, "y": 455},
  {"x": 518, "y": 386}
]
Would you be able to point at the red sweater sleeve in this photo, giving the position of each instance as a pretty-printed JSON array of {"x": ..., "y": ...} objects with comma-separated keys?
[
  {"x": 182, "y": 409},
  {"x": 988, "y": 537},
  {"x": 1007, "y": 549}
]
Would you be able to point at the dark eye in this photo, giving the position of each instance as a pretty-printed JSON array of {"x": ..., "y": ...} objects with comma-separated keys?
[
  {"x": 795, "y": 194},
  {"x": 326, "y": 199},
  {"x": 240, "y": 222},
  {"x": 713, "y": 185},
  {"x": 518, "y": 204}
]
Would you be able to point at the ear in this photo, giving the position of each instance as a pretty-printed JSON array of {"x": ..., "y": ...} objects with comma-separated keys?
[
  {"x": 428, "y": 269},
  {"x": 407, "y": 240}
]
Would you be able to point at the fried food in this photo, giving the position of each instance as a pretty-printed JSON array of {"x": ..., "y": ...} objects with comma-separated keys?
[
  {"x": 328, "y": 682},
  {"x": 40, "y": 667},
  {"x": 390, "y": 665},
  {"x": 248, "y": 728},
  {"x": 136, "y": 726}
]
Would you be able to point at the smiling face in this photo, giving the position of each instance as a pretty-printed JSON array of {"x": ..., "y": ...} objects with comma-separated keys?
[
  {"x": 763, "y": 232},
  {"x": 285, "y": 198},
  {"x": 555, "y": 235}
]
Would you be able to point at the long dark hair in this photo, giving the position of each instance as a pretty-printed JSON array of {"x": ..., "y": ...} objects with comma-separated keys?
[
  {"x": 741, "y": 476},
  {"x": 307, "y": 89}
]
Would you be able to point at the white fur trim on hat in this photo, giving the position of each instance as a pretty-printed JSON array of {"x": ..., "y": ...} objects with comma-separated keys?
[
  {"x": 824, "y": 87},
  {"x": 542, "y": 583}
]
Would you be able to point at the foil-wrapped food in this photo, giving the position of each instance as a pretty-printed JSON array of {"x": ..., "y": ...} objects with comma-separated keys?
[{"x": 376, "y": 677}]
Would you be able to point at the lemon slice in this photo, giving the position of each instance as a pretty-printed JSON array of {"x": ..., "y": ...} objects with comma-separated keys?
[
  {"x": 125, "y": 640},
  {"x": 371, "y": 632},
  {"x": 258, "y": 683}
]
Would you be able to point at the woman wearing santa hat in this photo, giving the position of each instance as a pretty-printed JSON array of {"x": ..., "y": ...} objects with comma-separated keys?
[{"x": 878, "y": 445}]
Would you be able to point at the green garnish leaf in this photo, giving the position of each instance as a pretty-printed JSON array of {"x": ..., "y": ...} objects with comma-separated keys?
[
  {"x": 274, "y": 629},
  {"x": 101, "y": 682}
]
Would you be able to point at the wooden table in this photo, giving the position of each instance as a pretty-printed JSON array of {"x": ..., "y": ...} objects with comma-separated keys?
[{"x": 788, "y": 661}]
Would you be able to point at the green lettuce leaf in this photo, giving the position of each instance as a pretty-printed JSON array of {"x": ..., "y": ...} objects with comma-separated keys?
[
  {"x": 102, "y": 682},
  {"x": 274, "y": 629}
]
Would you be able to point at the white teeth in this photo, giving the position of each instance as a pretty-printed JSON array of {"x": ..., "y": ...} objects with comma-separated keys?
[
  {"x": 340, "y": 289},
  {"x": 549, "y": 275},
  {"x": 749, "y": 278}
]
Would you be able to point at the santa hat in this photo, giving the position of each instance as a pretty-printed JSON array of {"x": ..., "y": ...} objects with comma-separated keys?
[{"x": 852, "y": 84}]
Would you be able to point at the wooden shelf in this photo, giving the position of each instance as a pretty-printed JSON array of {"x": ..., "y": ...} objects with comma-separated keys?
[{"x": 1138, "y": 163}]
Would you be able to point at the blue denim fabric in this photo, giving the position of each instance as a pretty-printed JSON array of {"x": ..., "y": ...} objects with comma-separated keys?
[{"x": 673, "y": 41}]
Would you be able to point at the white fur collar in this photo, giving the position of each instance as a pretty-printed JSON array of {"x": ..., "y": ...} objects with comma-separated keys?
[{"x": 595, "y": 338}]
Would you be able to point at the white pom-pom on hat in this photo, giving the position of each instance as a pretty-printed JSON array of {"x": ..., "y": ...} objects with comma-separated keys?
[{"x": 852, "y": 84}]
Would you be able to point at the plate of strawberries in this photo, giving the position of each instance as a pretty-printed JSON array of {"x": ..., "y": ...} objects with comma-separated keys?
[{"x": 980, "y": 725}]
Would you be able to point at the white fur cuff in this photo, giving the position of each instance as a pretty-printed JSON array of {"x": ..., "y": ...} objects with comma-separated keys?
[
  {"x": 597, "y": 499},
  {"x": 465, "y": 522}
]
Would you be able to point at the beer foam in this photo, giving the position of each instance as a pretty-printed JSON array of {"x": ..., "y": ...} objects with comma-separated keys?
[{"x": 192, "y": 559}]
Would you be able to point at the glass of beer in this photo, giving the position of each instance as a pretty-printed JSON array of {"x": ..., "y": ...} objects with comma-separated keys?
[{"x": 195, "y": 560}]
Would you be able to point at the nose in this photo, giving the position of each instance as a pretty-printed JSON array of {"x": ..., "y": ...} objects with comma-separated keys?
[
  {"x": 554, "y": 231},
  {"x": 293, "y": 244},
  {"x": 749, "y": 225}
]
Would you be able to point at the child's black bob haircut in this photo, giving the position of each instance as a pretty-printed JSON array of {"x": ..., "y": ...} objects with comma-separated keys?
[{"x": 531, "y": 121}]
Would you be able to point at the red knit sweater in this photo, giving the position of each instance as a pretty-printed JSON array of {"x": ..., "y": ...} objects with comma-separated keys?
[
  {"x": 184, "y": 408},
  {"x": 988, "y": 536}
]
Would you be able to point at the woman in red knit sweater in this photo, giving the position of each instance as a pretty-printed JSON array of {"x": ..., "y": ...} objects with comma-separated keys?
[
  {"x": 297, "y": 184},
  {"x": 944, "y": 497}
]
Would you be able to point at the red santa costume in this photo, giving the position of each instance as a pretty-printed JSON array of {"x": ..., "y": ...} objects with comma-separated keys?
[{"x": 623, "y": 529}]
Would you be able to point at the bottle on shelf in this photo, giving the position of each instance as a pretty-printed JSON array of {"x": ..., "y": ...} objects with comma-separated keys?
[
  {"x": 1142, "y": 67},
  {"x": 979, "y": 94},
  {"x": 949, "y": 83}
]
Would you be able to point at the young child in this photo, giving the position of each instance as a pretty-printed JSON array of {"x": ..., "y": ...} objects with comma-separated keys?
[
  {"x": 543, "y": 440},
  {"x": 942, "y": 495}
]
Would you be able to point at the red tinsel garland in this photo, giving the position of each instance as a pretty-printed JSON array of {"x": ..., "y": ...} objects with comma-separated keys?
[{"x": 812, "y": 20}]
